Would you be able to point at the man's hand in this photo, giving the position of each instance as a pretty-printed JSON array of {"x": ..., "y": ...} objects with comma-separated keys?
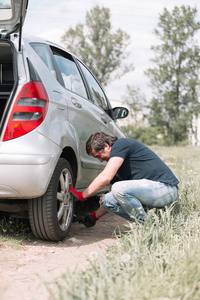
[
  {"x": 90, "y": 220},
  {"x": 76, "y": 194}
]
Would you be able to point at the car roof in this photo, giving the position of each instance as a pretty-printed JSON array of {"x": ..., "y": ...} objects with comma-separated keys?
[{"x": 36, "y": 39}]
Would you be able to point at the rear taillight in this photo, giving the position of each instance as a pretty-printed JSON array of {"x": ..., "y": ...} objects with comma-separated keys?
[{"x": 28, "y": 112}]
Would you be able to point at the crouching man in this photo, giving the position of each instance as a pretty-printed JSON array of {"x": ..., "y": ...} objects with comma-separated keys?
[{"x": 138, "y": 178}]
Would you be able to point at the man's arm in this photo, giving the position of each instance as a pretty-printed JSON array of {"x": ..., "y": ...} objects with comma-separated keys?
[{"x": 104, "y": 177}]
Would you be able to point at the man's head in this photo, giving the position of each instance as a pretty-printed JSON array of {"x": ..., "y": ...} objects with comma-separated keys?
[{"x": 99, "y": 145}]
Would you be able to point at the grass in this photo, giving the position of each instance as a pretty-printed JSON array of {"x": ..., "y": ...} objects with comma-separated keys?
[
  {"x": 14, "y": 232},
  {"x": 153, "y": 262}
]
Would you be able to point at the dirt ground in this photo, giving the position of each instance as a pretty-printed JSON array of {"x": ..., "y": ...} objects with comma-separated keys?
[{"x": 24, "y": 271}]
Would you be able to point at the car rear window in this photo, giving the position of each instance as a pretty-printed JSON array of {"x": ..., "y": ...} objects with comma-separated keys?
[{"x": 43, "y": 51}]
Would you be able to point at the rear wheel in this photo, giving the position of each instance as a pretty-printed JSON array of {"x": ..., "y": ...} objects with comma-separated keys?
[{"x": 51, "y": 215}]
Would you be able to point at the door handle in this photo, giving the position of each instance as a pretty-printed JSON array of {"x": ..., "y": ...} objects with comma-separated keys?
[
  {"x": 76, "y": 103},
  {"x": 61, "y": 107},
  {"x": 104, "y": 120}
]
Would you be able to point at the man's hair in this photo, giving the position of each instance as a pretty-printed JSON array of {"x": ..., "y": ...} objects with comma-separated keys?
[{"x": 98, "y": 140}]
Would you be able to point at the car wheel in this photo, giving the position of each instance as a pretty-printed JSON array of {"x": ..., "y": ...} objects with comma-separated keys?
[{"x": 51, "y": 215}]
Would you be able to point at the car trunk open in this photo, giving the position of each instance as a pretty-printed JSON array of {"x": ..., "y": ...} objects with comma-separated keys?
[
  {"x": 6, "y": 74},
  {"x": 12, "y": 15}
]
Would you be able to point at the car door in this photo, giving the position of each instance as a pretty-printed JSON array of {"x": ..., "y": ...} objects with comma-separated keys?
[
  {"x": 81, "y": 115},
  {"x": 101, "y": 106},
  {"x": 101, "y": 103}
]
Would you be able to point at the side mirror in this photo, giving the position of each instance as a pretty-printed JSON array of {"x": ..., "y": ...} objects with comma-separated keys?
[{"x": 120, "y": 113}]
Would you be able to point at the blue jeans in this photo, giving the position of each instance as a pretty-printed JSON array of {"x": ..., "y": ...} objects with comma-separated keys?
[{"x": 127, "y": 198}]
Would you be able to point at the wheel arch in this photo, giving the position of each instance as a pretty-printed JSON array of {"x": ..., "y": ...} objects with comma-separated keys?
[{"x": 69, "y": 154}]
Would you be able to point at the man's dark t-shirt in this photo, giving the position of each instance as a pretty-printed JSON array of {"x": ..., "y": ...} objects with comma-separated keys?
[{"x": 140, "y": 163}]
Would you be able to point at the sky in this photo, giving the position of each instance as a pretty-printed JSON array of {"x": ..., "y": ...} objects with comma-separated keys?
[{"x": 49, "y": 19}]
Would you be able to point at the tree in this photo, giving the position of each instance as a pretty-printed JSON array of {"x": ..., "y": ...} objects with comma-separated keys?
[
  {"x": 136, "y": 102},
  {"x": 175, "y": 77},
  {"x": 102, "y": 50}
]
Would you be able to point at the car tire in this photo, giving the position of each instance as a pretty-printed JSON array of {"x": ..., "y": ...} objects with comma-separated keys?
[{"x": 51, "y": 215}]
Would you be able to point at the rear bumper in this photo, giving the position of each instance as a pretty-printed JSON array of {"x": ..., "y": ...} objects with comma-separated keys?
[
  {"x": 26, "y": 166},
  {"x": 25, "y": 176}
]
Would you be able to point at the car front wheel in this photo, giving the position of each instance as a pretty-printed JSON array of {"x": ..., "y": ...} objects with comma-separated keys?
[{"x": 51, "y": 215}]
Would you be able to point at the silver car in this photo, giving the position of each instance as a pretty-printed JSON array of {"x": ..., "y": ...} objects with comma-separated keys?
[{"x": 50, "y": 104}]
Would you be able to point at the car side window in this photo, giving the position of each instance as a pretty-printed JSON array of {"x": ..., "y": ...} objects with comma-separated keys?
[
  {"x": 43, "y": 51},
  {"x": 70, "y": 74},
  {"x": 97, "y": 93}
]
